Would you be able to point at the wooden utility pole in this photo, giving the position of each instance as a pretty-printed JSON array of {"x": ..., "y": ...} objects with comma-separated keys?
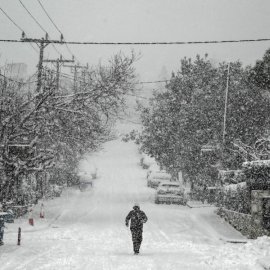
[
  {"x": 42, "y": 44},
  {"x": 74, "y": 69},
  {"x": 58, "y": 63},
  {"x": 226, "y": 104},
  {"x": 84, "y": 74}
]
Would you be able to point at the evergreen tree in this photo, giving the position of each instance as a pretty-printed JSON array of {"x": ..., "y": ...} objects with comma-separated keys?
[{"x": 190, "y": 114}]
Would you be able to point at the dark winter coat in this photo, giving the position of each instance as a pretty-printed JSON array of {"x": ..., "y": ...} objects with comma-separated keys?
[{"x": 137, "y": 218}]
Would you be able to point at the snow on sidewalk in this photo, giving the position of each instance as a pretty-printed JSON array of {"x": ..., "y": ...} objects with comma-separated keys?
[{"x": 217, "y": 226}]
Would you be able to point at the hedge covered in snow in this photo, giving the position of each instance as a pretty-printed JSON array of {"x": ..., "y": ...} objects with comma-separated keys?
[{"x": 235, "y": 197}]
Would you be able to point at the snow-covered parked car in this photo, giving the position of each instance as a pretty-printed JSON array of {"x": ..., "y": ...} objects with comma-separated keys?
[
  {"x": 151, "y": 169},
  {"x": 86, "y": 180},
  {"x": 8, "y": 216},
  {"x": 147, "y": 161},
  {"x": 170, "y": 192},
  {"x": 56, "y": 190},
  {"x": 156, "y": 177},
  {"x": 85, "y": 184},
  {"x": 53, "y": 190}
]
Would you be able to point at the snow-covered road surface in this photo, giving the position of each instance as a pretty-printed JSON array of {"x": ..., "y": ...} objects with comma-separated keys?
[{"x": 85, "y": 230}]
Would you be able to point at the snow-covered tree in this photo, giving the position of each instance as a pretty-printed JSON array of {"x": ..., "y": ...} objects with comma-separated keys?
[
  {"x": 260, "y": 73},
  {"x": 190, "y": 115},
  {"x": 48, "y": 131}
]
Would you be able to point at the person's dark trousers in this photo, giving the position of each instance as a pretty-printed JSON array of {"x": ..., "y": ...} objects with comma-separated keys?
[{"x": 137, "y": 240}]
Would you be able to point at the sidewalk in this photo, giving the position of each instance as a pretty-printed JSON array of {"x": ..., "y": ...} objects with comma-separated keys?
[
  {"x": 217, "y": 226},
  {"x": 53, "y": 208}
]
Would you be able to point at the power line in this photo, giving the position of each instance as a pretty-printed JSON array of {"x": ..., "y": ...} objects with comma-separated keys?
[
  {"x": 11, "y": 20},
  {"x": 57, "y": 28},
  {"x": 16, "y": 25},
  {"x": 137, "y": 96},
  {"x": 18, "y": 82},
  {"x": 143, "y": 82},
  {"x": 124, "y": 119},
  {"x": 167, "y": 43},
  {"x": 152, "y": 82},
  {"x": 33, "y": 47},
  {"x": 49, "y": 17},
  {"x": 147, "y": 43},
  {"x": 41, "y": 27},
  {"x": 67, "y": 76},
  {"x": 32, "y": 16},
  {"x": 71, "y": 52}
]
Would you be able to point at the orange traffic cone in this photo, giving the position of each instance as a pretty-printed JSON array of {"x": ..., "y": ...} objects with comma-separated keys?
[
  {"x": 42, "y": 215},
  {"x": 31, "y": 219}
]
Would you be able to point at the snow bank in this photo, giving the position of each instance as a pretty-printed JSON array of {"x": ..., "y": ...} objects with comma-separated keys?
[{"x": 261, "y": 245}]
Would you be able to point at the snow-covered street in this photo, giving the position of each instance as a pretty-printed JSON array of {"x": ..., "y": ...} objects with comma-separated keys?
[{"x": 86, "y": 230}]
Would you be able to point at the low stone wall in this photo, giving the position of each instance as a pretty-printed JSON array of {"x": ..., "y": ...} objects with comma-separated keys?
[{"x": 243, "y": 223}]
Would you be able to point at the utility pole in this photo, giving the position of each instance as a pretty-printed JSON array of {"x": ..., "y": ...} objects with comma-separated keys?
[
  {"x": 84, "y": 74},
  {"x": 58, "y": 63},
  {"x": 226, "y": 103},
  {"x": 42, "y": 44},
  {"x": 75, "y": 71}
]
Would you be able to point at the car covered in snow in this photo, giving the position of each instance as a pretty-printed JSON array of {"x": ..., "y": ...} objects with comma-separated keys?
[
  {"x": 8, "y": 216},
  {"x": 153, "y": 168},
  {"x": 85, "y": 180},
  {"x": 147, "y": 161},
  {"x": 170, "y": 192},
  {"x": 156, "y": 177},
  {"x": 56, "y": 190}
]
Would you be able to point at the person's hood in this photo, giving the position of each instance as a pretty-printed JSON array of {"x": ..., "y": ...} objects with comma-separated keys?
[{"x": 136, "y": 207}]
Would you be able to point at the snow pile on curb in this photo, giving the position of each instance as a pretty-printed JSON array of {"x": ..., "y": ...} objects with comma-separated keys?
[
  {"x": 261, "y": 245},
  {"x": 198, "y": 204},
  {"x": 265, "y": 263}
]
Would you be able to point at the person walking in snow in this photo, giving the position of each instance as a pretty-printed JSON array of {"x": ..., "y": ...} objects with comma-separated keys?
[{"x": 137, "y": 219}]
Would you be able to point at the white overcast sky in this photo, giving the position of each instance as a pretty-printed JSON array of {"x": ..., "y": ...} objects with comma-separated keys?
[{"x": 139, "y": 21}]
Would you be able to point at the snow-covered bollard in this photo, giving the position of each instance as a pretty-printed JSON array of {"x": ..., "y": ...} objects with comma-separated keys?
[
  {"x": 42, "y": 214},
  {"x": 19, "y": 236},
  {"x": 31, "y": 218}
]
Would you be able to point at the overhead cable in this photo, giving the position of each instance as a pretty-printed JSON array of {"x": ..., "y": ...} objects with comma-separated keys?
[
  {"x": 18, "y": 82},
  {"x": 41, "y": 27},
  {"x": 68, "y": 76},
  {"x": 11, "y": 20},
  {"x": 57, "y": 28},
  {"x": 49, "y": 17},
  {"x": 146, "y": 43},
  {"x": 16, "y": 26},
  {"x": 152, "y": 82}
]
